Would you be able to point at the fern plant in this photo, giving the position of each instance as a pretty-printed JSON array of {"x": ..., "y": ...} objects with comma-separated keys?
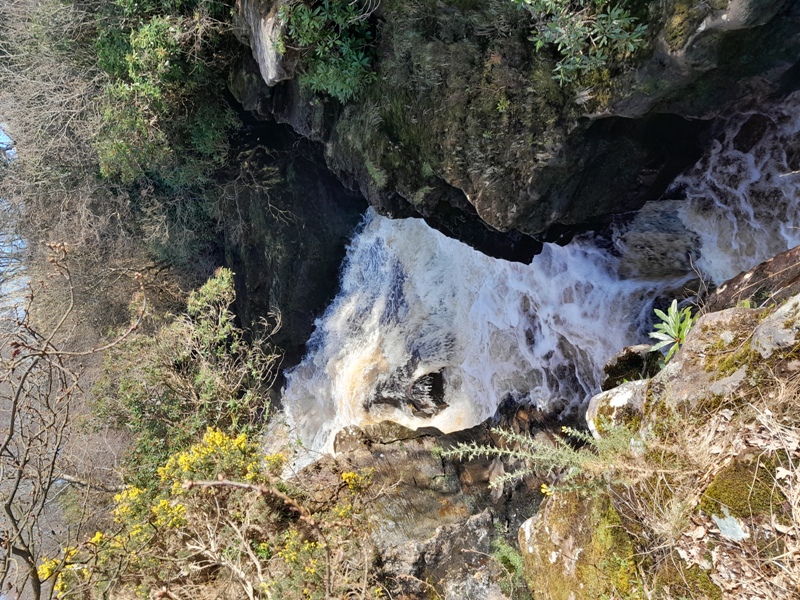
[{"x": 673, "y": 328}]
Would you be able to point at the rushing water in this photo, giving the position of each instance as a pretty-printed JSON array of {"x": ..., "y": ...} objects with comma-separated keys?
[{"x": 428, "y": 332}]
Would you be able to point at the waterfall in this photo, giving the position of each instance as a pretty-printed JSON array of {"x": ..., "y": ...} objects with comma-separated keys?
[
  {"x": 741, "y": 198},
  {"x": 426, "y": 331}
]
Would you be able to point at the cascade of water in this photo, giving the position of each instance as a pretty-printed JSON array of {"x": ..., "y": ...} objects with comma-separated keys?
[
  {"x": 428, "y": 332},
  {"x": 742, "y": 196}
]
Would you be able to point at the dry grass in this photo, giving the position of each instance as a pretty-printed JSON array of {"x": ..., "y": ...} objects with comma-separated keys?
[{"x": 664, "y": 513}]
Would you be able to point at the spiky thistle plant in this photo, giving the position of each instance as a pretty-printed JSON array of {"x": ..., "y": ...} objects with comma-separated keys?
[
  {"x": 576, "y": 459},
  {"x": 673, "y": 328}
]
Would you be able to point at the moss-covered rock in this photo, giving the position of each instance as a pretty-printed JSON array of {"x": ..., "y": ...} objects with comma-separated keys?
[
  {"x": 622, "y": 406},
  {"x": 674, "y": 580},
  {"x": 576, "y": 548},
  {"x": 465, "y": 118},
  {"x": 745, "y": 489}
]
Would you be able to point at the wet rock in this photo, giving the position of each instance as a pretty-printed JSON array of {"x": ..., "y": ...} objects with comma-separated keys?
[
  {"x": 630, "y": 364},
  {"x": 751, "y": 132},
  {"x": 285, "y": 250},
  {"x": 770, "y": 282},
  {"x": 350, "y": 439},
  {"x": 421, "y": 397},
  {"x": 388, "y": 432}
]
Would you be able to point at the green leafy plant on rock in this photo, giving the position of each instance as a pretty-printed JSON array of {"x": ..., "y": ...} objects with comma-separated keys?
[
  {"x": 334, "y": 38},
  {"x": 673, "y": 328},
  {"x": 588, "y": 34}
]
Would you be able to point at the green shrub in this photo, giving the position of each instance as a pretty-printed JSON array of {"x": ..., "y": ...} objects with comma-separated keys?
[
  {"x": 164, "y": 119},
  {"x": 141, "y": 8},
  {"x": 208, "y": 129},
  {"x": 334, "y": 37},
  {"x": 588, "y": 34},
  {"x": 510, "y": 559},
  {"x": 112, "y": 46},
  {"x": 193, "y": 373},
  {"x": 155, "y": 60}
]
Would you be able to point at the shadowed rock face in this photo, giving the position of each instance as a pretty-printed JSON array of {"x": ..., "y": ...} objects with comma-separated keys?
[
  {"x": 464, "y": 123},
  {"x": 287, "y": 222}
]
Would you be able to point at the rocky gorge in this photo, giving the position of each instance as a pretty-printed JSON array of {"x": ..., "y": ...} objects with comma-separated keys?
[{"x": 553, "y": 219}]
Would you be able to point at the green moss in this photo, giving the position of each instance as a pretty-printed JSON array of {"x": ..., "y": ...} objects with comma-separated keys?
[
  {"x": 686, "y": 17},
  {"x": 711, "y": 404},
  {"x": 608, "y": 565},
  {"x": 746, "y": 489},
  {"x": 626, "y": 416},
  {"x": 663, "y": 417},
  {"x": 378, "y": 175},
  {"x": 673, "y": 580},
  {"x": 730, "y": 362},
  {"x": 602, "y": 551}
]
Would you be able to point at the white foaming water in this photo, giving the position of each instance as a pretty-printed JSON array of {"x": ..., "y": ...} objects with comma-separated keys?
[
  {"x": 743, "y": 194},
  {"x": 428, "y": 332},
  {"x": 414, "y": 302}
]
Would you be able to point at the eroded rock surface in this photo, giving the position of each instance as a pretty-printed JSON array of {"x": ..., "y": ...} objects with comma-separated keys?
[{"x": 465, "y": 119}]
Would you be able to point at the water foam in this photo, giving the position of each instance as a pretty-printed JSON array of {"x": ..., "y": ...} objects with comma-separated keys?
[
  {"x": 415, "y": 303},
  {"x": 742, "y": 196}
]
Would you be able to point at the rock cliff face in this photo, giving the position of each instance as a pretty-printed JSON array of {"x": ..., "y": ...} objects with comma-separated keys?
[
  {"x": 287, "y": 221},
  {"x": 465, "y": 119}
]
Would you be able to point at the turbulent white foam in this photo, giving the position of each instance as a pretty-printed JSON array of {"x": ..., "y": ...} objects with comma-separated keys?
[
  {"x": 414, "y": 302},
  {"x": 744, "y": 205}
]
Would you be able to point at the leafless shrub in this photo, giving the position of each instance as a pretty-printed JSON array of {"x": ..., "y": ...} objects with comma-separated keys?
[{"x": 39, "y": 383}]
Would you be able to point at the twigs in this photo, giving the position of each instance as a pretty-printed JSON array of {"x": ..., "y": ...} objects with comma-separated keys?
[{"x": 38, "y": 386}]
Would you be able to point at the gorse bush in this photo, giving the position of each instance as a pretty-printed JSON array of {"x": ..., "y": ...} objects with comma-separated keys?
[
  {"x": 163, "y": 115},
  {"x": 194, "y": 372},
  {"x": 334, "y": 37},
  {"x": 576, "y": 459},
  {"x": 588, "y": 34},
  {"x": 217, "y": 511}
]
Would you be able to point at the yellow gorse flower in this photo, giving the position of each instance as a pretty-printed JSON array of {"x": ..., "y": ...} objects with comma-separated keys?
[
  {"x": 169, "y": 514},
  {"x": 215, "y": 446},
  {"x": 357, "y": 481}
]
